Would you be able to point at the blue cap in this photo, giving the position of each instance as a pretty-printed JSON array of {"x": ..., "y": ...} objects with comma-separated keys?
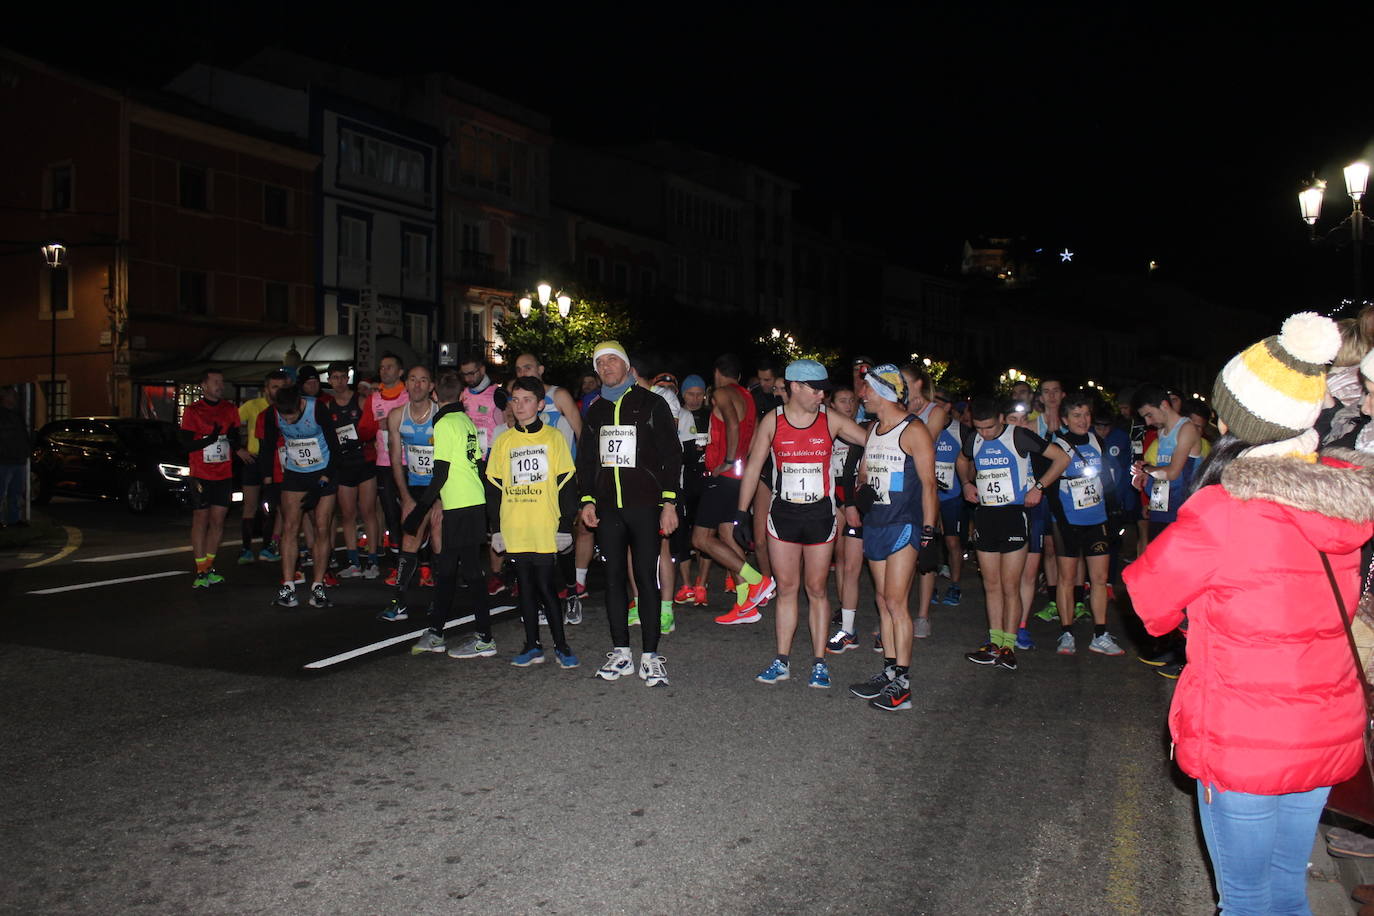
[
  {"x": 808, "y": 371},
  {"x": 693, "y": 381}
]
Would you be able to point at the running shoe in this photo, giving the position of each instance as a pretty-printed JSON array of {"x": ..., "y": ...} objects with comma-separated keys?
[
  {"x": 867, "y": 690},
  {"x": 655, "y": 672},
  {"x": 634, "y": 612},
  {"x": 495, "y": 584},
  {"x": 299, "y": 578},
  {"x": 1067, "y": 644},
  {"x": 566, "y": 659},
  {"x": 394, "y": 612},
  {"x": 1105, "y": 645},
  {"x": 896, "y": 695},
  {"x": 617, "y": 665},
  {"x": 362, "y": 540},
  {"x": 573, "y": 615},
  {"x": 1167, "y": 657},
  {"x": 777, "y": 670},
  {"x": 1111, "y": 592},
  {"x": 877, "y": 644},
  {"x": 317, "y": 596},
  {"x": 528, "y": 657},
  {"x": 820, "y": 676},
  {"x": 729, "y": 584},
  {"x": 1172, "y": 672},
  {"x": 944, "y": 571},
  {"x": 1079, "y": 611},
  {"x": 430, "y": 642},
  {"x": 370, "y": 570},
  {"x": 351, "y": 571},
  {"x": 666, "y": 623},
  {"x": 952, "y": 596},
  {"x": 1023, "y": 639},
  {"x": 247, "y": 557},
  {"x": 543, "y": 618},
  {"x": 474, "y": 647},
  {"x": 1049, "y": 612},
  {"x": 935, "y": 595},
  {"x": 286, "y": 596},
  {"x": 393, "y": 577},
  {"x": 684, "y": 595},
  {"x": 1006, "y": 658},
  {"x": 699, "y": 596},
  {"x": 212, "y": 577},
  {"x": 270, "y": 554},
  {"x": 836, "y": 617},
  {"x": 739, "y": 614},
  {"x": 426, "y": 576},
  {"x": 920, "y": 628},
  {"x": 841, "y": 642},
  {"x": 760, "y": 593},
  {"x": 330, "y": 579},
  {"x": 305, "y": 558},
  {"x": 200, "y": 581},
  {"x": 986, "y": 654}
]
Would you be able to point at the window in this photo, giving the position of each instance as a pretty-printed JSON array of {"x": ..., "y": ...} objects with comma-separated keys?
[
  {"x": 276, "y": 206},
  {"x": 646, "y": 281},
  {"x": 519, "y": 253},
  {"x": 621, "y": 275},
  {"x": 194, "y": 292},
  {"x": 354, "y": 266},
  {"x": 417, "y": 332},
  {"x": 491, "y": 161},
  {"x": 276, "y": 304},
  {"x": 472, "y": 237},
  {"x": 473, "y": 324},
  {"x": 415, "y": 252},
  {"x": 59, "y": 403},
  {"x": 194, "y": 188},
  {"x": 59, "y": 187},
  {"x": 399, "y": 167},
  {"x": 593, "y": 270}
]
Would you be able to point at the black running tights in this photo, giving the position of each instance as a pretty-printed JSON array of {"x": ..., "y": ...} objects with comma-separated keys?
[
  {"x": 637, "y": 529},
  {"x": 535, "y": 573}
]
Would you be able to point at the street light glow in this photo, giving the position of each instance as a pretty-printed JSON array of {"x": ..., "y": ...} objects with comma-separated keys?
[
  {"x": 1356, "y": 179},
  {"x": 55, "y": 253},
  {"x": 564, "y": 305},
  {"x": 525, "y": 306},
  {"x": 545, "y": 291},
  {"x": 1310, "y": 200}
]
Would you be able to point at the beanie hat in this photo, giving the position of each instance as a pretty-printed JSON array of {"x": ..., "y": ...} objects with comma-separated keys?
[
  {"x": 693, "y": 381},
  {"x": 1367, "y": 365},
  {"x": 1273, "y": 390},
  {"x": 612, "y": 347}
]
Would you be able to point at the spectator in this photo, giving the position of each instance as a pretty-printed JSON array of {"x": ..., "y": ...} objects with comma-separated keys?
[{"x": 15, "y": 444}]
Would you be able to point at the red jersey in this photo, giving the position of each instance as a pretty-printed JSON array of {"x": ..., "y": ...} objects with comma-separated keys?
[
  {"x": 216, "y": 460},
  {"x": 715, "y": 445},
  {"x": 801, "y": 459}
]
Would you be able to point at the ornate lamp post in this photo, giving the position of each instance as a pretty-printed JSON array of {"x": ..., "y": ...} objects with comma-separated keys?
[{"x": 1310, "y": 206}]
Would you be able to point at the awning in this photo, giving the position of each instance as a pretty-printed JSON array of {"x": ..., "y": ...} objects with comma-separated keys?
[{"x": 247, "y": 360}]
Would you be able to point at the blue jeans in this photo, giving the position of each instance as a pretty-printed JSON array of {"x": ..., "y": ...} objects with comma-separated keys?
[
  {"x": 12, "y": 491},
  {"x": 1259, "y": 846}
]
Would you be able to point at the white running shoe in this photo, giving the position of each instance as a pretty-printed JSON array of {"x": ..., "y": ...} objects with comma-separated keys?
[
  {"x": 1106, "y": 645},
  {"x": 619, "y": 663},
  {"x": 1067, "y": 644}
]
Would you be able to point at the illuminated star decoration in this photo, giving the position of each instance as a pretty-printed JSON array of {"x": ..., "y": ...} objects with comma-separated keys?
[{"x": 1065, "y": 255}]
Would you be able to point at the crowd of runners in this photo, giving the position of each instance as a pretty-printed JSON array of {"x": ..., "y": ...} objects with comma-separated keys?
[{"x": 780, "y": 478}]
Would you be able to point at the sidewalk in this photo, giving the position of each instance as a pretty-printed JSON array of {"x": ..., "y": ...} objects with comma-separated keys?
[
  {"x": 1330, "y": 879},
  {"x": 20, "y": 546}
]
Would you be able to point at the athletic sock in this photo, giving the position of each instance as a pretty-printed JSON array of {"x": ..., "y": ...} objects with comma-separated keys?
[
  {"x": 665, "y": 606},
  {"x": 209, "y": 561},
  {"x": 847, "y": 619},
  {"x": 1066, "y": 628},
  {"x": 889, "y": 663},
  {"x": 353, "y": 558},
  {"x": 202, "y": 564},
  {"x": 374, "y": 558},
  {"x": 581, "y": 575},
  {"x": 995, "y": 637},
  {"x": 817, "y": 661},
  {"x": 246, "y": 532},
  {"x": 901, "y": 670},
  {"x": 1099, "y": 629},
  {"x": 750, "y": 575},
  {"x": 784, "y": 658}
]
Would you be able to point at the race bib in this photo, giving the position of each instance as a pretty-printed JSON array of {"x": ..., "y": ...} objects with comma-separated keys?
[
  {"x": 482, "y": 439},
  {"x": 838, "y": 455},
  {"x": 281, "y": 455},
  {"x": 995, "y": 487},
  {"x": 216, "y": 452},
  {"x": 944, "y": 475},
  {"x": 347, "y": 433},
  {"x": 304, "y": 453},
  {"x": 1084, "y": 492},
  {"x": 382, "y": 442},
  {"x": 529, "y": 464},
  {"x": 420, "y": 460},
  {"x": 1159, "y": 496},
  {"x": 879, "y": 472},
  {"x": 802, "y": 483},
  {"x": 618, "y": 446}
]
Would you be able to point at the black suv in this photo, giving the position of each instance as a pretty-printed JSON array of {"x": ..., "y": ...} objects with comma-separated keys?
[{"x": 137, "y": 461}]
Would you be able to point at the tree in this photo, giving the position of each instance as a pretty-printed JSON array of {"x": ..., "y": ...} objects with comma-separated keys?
[{"x": 564, "y": 345}]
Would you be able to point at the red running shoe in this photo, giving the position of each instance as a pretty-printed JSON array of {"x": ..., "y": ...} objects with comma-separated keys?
[{"x": 426, "y": 576}]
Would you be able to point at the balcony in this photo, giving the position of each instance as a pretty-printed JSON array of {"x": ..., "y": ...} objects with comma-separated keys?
[{"x": 477, "y": 268}]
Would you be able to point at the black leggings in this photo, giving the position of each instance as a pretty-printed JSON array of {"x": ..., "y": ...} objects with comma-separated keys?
[
  {"x": 464, "y": 538},
  {"x": 637, "y": 529},
  {"x": 391, "y": 507},
  {"x": 535, "y": 573}
]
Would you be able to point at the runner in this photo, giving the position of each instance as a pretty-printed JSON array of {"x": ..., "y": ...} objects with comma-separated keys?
[
  {"x": 533, "y": 468},
  {"x": 936, "y": 418},
  {"x": 733, "y": 420},
  {"x": 801, "y": 520},
  {"x": 356, "y": 476},
  {"x": 947, "y": 444},
  {"x": 995, "y": 473},
  {"x": 1079, "y": 525},
  {"x": 456, "y": 491},
  {"x": 665, "y": 386},
  {"x": 307, "y": 458},
  {"x": 410, "y": 436},
  {"x": 383, "y": 400},
  {"x": 899, "y": 506},
  {"x": 485, "y": 404},
  {"x": 214, "y": 427},
  {"x": 693, "y": 431},
  {"x": 628, "y": 467},
  {"x": 849, "y": 548},
  {"x": 250, "y": 480},
  {"x": 308, "y": 381}
]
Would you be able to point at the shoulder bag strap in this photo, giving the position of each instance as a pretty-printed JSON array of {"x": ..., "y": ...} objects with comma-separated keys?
[{"x": 1349, "y": 635}]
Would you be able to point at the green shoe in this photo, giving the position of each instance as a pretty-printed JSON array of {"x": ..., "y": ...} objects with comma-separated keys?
[
  {"x": 634, "y": 613},
  {"x": 200, "y": 581},
  {"x": 213, "y": 578},
  {"x": 1079, "y": 610},
  {"x": 1049, "y": 612},
  {"x": 665, "y": 623}
]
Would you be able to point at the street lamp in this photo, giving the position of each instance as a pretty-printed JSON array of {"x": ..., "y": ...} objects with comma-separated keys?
[
  {"x": 1310, "y": 206},
  {"x": 55, "y": 254},
  {"x": 545, "y": 293}
]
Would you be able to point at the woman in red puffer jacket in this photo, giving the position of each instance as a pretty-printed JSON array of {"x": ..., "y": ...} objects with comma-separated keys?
[{"x": 1269, "y": 712}]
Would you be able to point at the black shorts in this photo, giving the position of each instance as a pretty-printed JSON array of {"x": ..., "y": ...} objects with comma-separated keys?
[
  {"x": 417, "y": 493},
  {"x": 811, "y": 523},
  {"x": 352, "y": 475},
  {"x": 250, "y": 476},
  {"x": 719, "y": 503},
  {"x": 307, "y": 482},
  {"x": 1000, "y": 529},
  {"x": 206, "y": 493},
  {"x": 952, "y": 517},
  {"x": 766, "y": 473},
  {"x": 1081, "y": 540}
]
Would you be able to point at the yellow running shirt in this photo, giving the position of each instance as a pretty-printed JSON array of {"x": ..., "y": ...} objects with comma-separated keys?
[{"x": 529, "y": 469}]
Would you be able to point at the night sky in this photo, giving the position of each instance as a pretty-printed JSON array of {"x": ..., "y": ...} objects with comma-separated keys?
[{"x": 1128, "y": 135}]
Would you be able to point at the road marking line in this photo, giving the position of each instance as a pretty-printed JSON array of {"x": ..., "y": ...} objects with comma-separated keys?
[
  {"x": 73, "y": 542},
  {"x": 386, "y": 643},
  {"x": 147, "y": 553},
  {"x": 75, "y": 588}
]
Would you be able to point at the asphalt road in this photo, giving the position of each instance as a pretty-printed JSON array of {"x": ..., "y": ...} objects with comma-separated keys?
[{"x": 167, "y": 752}]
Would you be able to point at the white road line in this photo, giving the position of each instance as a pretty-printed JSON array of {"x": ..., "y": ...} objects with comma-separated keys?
[
  {"x": 386, "y": 643},
  {"x": 146, "y": 553},
  {"x": 103, "y": 582}
]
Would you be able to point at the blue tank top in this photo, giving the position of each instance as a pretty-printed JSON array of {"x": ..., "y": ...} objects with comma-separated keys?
[
  {"x": 1003, "y": 475},
  {"x": 1082, "y": 487},
  {"x": 947, "y": 446},
  {"x": 1167, "y": 496},
  {"x": 890, "y": 471},
  {"x": 552, "y": 416},
  {"x": 417, "y": 446},
  {"x": 306, "y": 449}
]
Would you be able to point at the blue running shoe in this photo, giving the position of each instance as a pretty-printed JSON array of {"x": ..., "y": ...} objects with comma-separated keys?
[
  {"x": 777, "y": 671},
  {"x": 935, "y": 595},
  {"x": 566, "y": 659},
  {"x": 820, "y": 676},
  {"x": 1023, "y": 639},
  {"x": 269, "y": 554},
  {"x": 247, "y": 557},
  {"x": 529, "y": 657},
  {"x": 952, "y": 596},
  {"x": 394, "y": 612}
]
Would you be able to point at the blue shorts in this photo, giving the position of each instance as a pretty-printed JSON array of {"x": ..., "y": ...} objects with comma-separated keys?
[
  {"x": 952, "y": 517},
  {"x": 881, "y": 542}
]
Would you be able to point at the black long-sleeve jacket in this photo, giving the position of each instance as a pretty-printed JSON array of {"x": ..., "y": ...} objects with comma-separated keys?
[{"x": 629, "y": 453}]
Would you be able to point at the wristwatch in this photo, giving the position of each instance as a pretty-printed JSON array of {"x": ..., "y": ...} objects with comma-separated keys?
[{"x": 1039, "y": 486}]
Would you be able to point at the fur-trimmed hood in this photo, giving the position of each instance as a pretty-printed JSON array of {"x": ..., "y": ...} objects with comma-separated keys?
[{"x": 1324, "y": 488}]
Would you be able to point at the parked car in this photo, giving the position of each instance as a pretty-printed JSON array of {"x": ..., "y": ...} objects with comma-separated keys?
[{"x": 140, "y": 462}]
